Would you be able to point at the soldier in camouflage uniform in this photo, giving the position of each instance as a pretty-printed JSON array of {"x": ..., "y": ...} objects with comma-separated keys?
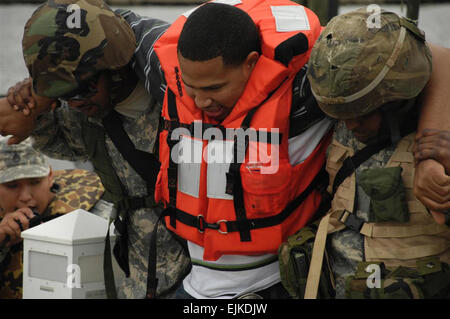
[
  {"x": 94, "y": 61},
  {"x": 370, "y": 79},
  {"x": 28, "y": 185}
]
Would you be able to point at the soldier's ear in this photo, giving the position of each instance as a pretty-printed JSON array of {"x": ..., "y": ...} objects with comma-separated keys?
[
  {"x": 50, "y": 175},
  {"x": 55, "y": 187}
]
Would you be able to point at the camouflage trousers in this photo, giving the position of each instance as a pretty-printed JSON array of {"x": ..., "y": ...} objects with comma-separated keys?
[{"x": 172, "y": 264}]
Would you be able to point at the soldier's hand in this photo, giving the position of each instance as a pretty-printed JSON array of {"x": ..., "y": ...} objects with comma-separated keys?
[
  {"x": 22, "y": 98},
  {"x": 14, "y": 223},
  {"x": 432, "y": 185},
  {"x": 433, "y": 144},
  {"x": 15, "y": 123},
  {"x": 438, "y": 217}
]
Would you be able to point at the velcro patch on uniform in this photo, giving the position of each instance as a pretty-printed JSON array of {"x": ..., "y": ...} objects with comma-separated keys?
[{"x": 290, "y": 18}]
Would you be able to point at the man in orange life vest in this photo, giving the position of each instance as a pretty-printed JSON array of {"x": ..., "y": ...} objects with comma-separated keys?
[{"x": 240, "y": 169}]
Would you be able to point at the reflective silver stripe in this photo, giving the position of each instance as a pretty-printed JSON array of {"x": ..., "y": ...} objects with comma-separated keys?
[
  {"x": 290, "y": 18},
  {"x": 219, "y": 155},
  {"x": 389, "y": 64},
  {"x": 189, "y": 165}
]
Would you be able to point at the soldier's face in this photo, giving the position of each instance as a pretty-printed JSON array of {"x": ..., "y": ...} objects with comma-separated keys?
[
  {"x": 96, "y": 105},
  {"x": 365, "y": 127},
  {"x": 27, "y": 192},
  {"x": 215, "y": 87}
]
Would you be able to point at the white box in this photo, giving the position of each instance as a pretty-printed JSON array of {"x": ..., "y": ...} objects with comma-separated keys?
[{"x": 63, "y": 258}]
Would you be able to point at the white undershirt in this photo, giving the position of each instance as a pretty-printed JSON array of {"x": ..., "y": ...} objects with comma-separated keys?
[{"x": 206, "y": 283}]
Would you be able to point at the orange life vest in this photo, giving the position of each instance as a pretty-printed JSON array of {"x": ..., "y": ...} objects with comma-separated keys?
[{"x": 246, "y": 208}]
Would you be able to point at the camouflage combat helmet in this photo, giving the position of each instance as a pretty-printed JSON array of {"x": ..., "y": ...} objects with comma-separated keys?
[
  {"x": 67, "y": 42},
  {"x": 360, "y": 63},
  {"x": 21, "y": 161}
]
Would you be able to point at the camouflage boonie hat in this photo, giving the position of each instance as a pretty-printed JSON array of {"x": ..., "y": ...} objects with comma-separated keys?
[
  {"x": 67, "y": 42},
  {"x": 361, "y": 62},
  {"x": 21, "y": 161}
]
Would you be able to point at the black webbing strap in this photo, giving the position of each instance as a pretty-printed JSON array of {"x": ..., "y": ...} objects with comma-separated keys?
[
  {"x": 152, "y": 280},
  {"x": 234, "y": 181},
  {"x": 172, "y": 169},
  {"x": 395, "y": 131},
  {"x": 133, "y": 203},
  {"x": 350, "y": 164},
  {"x": 144, "y": 163},
  {"x": 108, "y": 273},
  {"x": 147, "y": 166},
  {"x": 245, "y": 225}
]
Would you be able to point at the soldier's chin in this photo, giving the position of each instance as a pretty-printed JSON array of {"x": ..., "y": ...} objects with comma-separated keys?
[
  {"x": 91, "y": 110},
  {"x": 363, "y": 138},
  {"x": 367, "y": 139}
]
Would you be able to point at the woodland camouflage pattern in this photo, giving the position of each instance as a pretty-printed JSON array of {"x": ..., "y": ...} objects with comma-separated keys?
[
  {"x": 60, "y": 55},
  {"x": 77, "y": 189},
  {"x": 60, "y": 134},
  {"x": 348, "y": 56}
]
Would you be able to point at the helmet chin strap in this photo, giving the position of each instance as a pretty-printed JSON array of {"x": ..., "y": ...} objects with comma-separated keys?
[
  {"x": 122, "y": 82},
  {"x": 394, "y": 123}
]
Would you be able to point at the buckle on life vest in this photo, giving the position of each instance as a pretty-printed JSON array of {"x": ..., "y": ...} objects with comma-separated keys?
[{"x": 202, "y": 225}]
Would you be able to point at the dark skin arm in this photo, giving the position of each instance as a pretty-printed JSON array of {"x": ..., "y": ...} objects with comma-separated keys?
[
  {"x": 15, "y": 123},
  {"x": 431, "y": 183},
  {"x": 22, "y": 97},
  {"x": 433, "y": 144},
  {"x": 21, "y": 124}
]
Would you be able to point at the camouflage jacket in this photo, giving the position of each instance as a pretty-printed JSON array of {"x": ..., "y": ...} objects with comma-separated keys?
[
  {"x": 59, "y": 134},
  {"x": 347, "y": 246},
  {"x": 76, "y": 189}
]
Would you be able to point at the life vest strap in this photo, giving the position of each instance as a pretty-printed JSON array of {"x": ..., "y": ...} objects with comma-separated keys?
[
  {"x": 133, "y": 203},
  {"x": 245, "y": 225}
]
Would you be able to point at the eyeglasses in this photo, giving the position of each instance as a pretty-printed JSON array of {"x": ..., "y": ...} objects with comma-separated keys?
[{"x": 84, "y": 91}]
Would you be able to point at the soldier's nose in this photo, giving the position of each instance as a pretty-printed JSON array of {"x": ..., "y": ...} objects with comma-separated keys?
[{"x": 25, "y": 195}]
